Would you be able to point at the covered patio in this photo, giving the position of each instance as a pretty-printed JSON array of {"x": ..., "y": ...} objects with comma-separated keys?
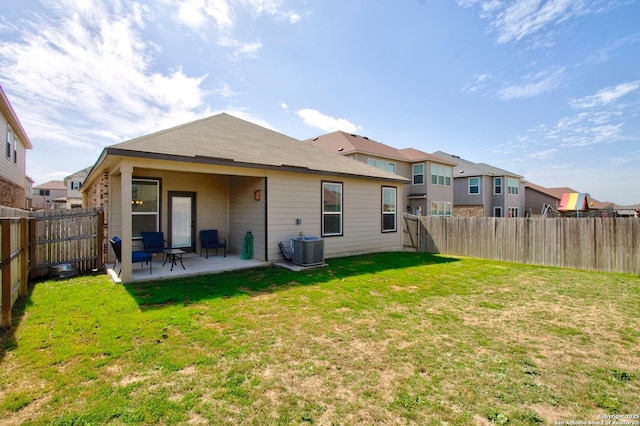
[{"x": 194, "y": 264}]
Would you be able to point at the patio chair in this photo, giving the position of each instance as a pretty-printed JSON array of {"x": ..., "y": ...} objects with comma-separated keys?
[
  {"x": 136, "y": 256},
  {"x": 153, "y": 242},
  {"x": 209, "y": 240}
]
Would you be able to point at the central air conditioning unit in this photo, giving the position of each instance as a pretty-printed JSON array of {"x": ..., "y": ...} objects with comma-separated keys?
[{"x": 308, "y": 251}]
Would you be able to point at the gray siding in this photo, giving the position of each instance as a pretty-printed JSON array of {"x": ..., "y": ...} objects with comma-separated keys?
[
  {"x": 535, "y": 201},
  {"x": 461, "y": 194}
]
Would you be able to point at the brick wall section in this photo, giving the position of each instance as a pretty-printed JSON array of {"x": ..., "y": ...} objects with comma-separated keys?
[
  {"x": 12, "y": 195},
  {"x": 97, "y": 195},
  {"x": 468, "y": 211}
]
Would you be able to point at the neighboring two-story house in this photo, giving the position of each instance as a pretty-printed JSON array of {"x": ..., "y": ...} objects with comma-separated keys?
[
  {"x": 483, "y": 190},
  {"x": 430, "y": 192},
  {"x": 49, "y": 195},
  {"x": 13, "y": 157},
  {"x": 73, "y": 183}
]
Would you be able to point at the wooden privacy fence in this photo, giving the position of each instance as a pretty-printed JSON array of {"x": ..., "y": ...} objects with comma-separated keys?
[
  {"x": 67, "y": 236},
  {"x": 601, "y": 244},
  {"x": 14, "y": 263},
  {"x": 30, "y": 246}
]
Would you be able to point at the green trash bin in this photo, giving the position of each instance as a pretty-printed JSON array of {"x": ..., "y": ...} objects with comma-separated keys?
[{"x": 247, "y": 246}]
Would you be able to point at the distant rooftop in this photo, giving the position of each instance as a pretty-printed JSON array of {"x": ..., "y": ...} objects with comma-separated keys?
[{"x": 346, "y": 143}]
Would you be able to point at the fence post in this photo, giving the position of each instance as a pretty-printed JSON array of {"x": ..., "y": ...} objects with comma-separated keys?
[
  {"x": 24, "y": 255},
  {"x": 32, "y": 244},
  {"x": 100, "y": 242},
  {"x": 5, "y": 226}
]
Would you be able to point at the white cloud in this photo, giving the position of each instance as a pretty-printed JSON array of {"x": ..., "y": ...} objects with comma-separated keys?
[
  {"x": 243, "y": 114},
  {"x": 515, "y": 20},
  {"x": 543, "y": 154},
  {"x": 259, "y": 7},
  {"x": 526, "y": 17},
  {"x": 605, "y": 96},
  {"x": 225, "y": 90},
  {"x": 197, "y": 13},
  {"x": 316, "y": 119},
  {"x": 241, "y": 50},
  {"x": 534, "y": 84},
  {"x": 294, "y": 17},
  {"x": 478, "y": 83},
  {"x": 86, "y": 65}
]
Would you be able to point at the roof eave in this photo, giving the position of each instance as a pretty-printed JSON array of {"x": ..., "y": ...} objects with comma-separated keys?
[
  {"x": 12, "y": 117},
  {"x": 234, "y": 163}
]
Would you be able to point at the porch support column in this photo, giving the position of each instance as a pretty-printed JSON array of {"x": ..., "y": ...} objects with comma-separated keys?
[{"x": 126, "y": 172}]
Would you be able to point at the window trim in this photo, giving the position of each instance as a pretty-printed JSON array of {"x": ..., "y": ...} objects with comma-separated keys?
[
  {"x": 394, "y": 212},
  {"x": 414, "y": 174},
  {"x": 495, "y": 209},
  {"x": 340, "y": 214},
  {"x": 442, "y": 174},
  {"x": 373, "y": 162},
  {"x": 513, "y": 189},
  {"x": 511, "y": 210},
  {"x": 158, "y": 181},
  {"x": 497, "y": 186},
  {"x": 442, "y": 208},
  {"x": 477, "y": 185},
  {"x": 9, "y": 135}
]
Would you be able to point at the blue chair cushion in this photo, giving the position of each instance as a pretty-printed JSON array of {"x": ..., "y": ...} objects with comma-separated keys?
[{"x": 140, "y": 256}]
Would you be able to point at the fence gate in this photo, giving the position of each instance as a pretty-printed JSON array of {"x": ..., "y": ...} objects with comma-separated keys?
[
  {"x": 67, "y": 236},
  {"x": 411, "y": 232}
]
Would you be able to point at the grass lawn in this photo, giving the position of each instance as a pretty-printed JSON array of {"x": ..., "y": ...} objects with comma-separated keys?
[{"x": 393, "y": 338}]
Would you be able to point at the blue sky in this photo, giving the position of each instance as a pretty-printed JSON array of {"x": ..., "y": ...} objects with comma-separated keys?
[{"x": 546, "y": 89}]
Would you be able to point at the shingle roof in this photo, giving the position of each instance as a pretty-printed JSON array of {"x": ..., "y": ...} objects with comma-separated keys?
[
  {"x": 52, "y": 184},
  {"x": 224, "y": 139},
  {"x": 559, "y": 192},
  {"x": 553, "y": 192},
  {"x": 347, "y": 143},
  {"x": 469, "y": 168},
  {"x": 416, "y": 155}
]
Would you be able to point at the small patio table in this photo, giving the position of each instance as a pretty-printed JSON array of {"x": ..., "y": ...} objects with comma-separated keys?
[{"x": 173, "y": 255}]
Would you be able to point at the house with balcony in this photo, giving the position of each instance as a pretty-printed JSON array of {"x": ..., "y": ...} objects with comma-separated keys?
[
  {"x": 13, "y": 178},
  {"x": 430, "y": 189},
  {"x": 480, "y": 189}
]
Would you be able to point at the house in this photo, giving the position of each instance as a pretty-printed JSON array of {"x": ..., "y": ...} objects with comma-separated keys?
[
  {"x": 548, "y": 202},
  {"x": 539, "y": 199},
  {"x": 429, "y": 191},
  {"x": 72, "y": 184},
  {"x": 28, "y": 192},
  {"x": 483, "y": 190},
  {"x": 49, "y": 195},
  {"x": 228, "y": 174},
  {"x": 13, "y": 158}
]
